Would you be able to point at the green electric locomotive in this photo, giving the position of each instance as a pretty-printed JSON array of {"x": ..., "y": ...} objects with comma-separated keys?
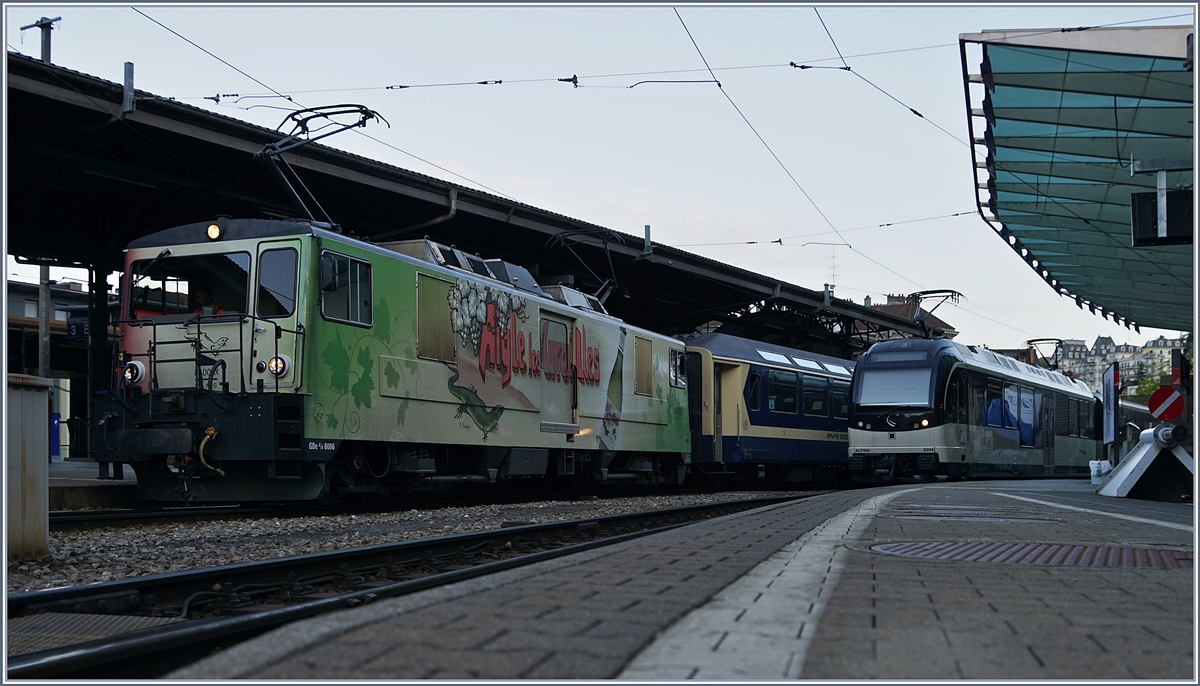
[{"x": 265, "y": 360}]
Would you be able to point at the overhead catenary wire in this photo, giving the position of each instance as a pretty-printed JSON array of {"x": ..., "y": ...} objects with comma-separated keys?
[
  {"x": 808, "y": 64},
  {"x": 756, "y": 133},
  {"x": 778, "y": 241},
  {"x": 289, "y": 98}
]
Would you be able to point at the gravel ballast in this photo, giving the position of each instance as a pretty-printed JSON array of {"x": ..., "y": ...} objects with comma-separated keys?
[{"x": 111, "y": 553}]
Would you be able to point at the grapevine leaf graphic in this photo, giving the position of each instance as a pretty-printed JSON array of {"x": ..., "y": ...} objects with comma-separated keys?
[
  {"x": 383, "y": 322},
  {"x": 339, "y": 362},
  {"x": 392, "y": 376},
  {"x": 409, "y": 361},
  {"x": 331, "y": 422},
  {"x": 400, "y": 411},
  {"x": 363, "y": 387}
]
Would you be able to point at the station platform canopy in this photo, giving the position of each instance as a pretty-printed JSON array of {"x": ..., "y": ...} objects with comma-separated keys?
[
  {"x": 1066, "y": 125},
  {"x": 96, "y": 165}
]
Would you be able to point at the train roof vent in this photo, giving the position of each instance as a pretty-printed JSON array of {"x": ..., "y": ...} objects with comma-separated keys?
[
  {"x": 473, "y": 263},
  {"x": 421, "y": 249},
  {"x": 573, "y": 298},
  {"x": 839, "y": 369},
  {"x": 515, "y": 276}
]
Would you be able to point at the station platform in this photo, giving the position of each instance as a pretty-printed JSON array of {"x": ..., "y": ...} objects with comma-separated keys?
[
  {"x": 75, "y": 484},
  {"x": 839, "y": 586}
]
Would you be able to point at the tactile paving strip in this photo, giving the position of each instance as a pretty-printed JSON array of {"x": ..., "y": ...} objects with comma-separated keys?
[
  {"x": 1040, "y": 554},
  {"x": 52, "y": 629}
]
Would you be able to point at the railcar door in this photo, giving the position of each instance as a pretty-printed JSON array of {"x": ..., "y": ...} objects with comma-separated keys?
[
  {"x": 276, "y": 346},
  {"x": 557, "y": 381},
  {"x": 957, "y": 397},
  {"x": 718, "y": 432}
]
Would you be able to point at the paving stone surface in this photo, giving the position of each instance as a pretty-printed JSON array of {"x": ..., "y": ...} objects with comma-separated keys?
[
  {"x": 582, "y": 617},
  {"x": 845, "y": 613},
  {"x": 903, "y": 618}
]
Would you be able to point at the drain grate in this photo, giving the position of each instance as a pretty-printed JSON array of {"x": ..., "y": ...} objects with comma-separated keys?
[
  {"x": 961, "y": 513},
  {"x": 1040, "y": 554}
]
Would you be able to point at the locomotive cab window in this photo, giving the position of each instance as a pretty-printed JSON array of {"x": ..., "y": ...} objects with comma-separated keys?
[
  {"x": 678, "y": 368},
  {"x": 345, "y": 289},
  {"x": 188, "y": 285},
  {"x": 277, "y": 282},
  {"x": 782, "y": 391}
]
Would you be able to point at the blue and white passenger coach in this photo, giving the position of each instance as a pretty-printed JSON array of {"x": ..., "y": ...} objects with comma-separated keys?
[
  {"x": 940, "y": 407},
  {"x": 758, "y": 409}
]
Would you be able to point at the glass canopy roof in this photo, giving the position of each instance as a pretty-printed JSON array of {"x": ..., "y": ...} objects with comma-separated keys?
[{"x": 1062, "y": 126}]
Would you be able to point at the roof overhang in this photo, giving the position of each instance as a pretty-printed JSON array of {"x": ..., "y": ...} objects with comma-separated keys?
[
  {"x": 1060, "y": 122},
  {"x": 94, "y": 175}
]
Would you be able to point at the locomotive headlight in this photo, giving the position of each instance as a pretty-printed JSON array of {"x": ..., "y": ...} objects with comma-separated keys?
[
  {"x": 925, "y": 422},
  {"x": 133, "y": 372},
  {"x": 279, "y": 365},
  {"x": 214, "y": 231}
]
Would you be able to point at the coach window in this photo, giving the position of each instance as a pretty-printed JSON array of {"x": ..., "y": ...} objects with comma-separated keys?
[
  {"x": 1012, "y": 402},
  {"x": 277, "y": 282},
  {"x": 1027, "y": 417},
  {"x": 816, "y": 396},
  {"x": 1085, "y": 420},
  {"x": 345, "y": 289},
  {"x": 1073, "y": 417},
  {"x": 754, "y": 392},
  {"x": 782, "y": 389},
  {"x": 995, "y": 407},
  {"x": 841, "y": 400}
]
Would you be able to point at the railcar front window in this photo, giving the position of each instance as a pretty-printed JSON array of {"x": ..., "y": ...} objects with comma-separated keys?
[
  {"x": 894, "y": 387},
  {"x": 188, "y": 284}
]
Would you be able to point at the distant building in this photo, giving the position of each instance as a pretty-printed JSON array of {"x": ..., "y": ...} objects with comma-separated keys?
[
  {"x": 1135, "y": 362},
  {"x": 68, "y": 355},
  {"x": 902, "y": 306}
]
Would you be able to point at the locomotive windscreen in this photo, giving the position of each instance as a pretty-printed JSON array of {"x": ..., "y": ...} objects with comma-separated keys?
[
  {"x": 173, "y": 285},
  {"x": 893, "y": 387}
]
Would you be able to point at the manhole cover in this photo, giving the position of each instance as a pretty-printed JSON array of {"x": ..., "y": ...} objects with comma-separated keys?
[{"x": 1040, "y": 554}]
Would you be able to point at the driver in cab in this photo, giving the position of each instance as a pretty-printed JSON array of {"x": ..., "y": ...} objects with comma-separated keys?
[{"x": 205, "y": 305}]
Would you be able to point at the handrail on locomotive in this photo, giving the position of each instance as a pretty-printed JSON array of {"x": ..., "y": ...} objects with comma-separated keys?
[{"x": 200, "y": 357}]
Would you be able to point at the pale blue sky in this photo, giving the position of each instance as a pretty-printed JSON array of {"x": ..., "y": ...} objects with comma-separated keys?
[{"x": 677, "y": 156}]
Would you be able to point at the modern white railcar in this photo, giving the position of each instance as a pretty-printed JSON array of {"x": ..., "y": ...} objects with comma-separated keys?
[{"x": 939, "y": 407}]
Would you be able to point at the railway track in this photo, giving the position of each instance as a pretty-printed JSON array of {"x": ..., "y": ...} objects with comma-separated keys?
[
  {"x": 159, "y": 623},
  {"x": 66, "y": 520}
]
